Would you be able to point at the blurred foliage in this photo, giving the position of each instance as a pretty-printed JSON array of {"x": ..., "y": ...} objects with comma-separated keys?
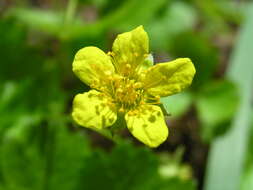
[
  {"x": 247, "y": 182},
  {"x": 216, "y": 105},
  {"x": 232, "y": 149},
  {"x": 40, "y": 148},
  {"x": 52, "y": 157},
  {"x": 177, "y": 104}
]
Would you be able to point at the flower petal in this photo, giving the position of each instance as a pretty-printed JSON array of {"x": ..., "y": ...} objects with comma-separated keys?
[
  {"x": 91, "y": 109},
  {"x": 148, "y": 62},
  {"x": 92, "y": 64},
  {"x": 168, "y": 78},
  {"x": 130, "y": 49},
  {"x": 148, "y": 125}
]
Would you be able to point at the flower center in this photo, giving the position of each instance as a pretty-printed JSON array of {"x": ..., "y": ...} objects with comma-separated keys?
[
  {"x": 122, "y": 91},
  {"x": 126, "y": 93}
]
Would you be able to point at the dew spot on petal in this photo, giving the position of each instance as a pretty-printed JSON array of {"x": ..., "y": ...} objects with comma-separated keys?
[
  {"x": 144, "y": 125},
  {"x": 111, "y": 120},
  {"x": 103, "y": 121},
  {"x": 78, "y": 116},
  {"x": 152, "y": 118},
  {"x": 97, "y": 110},
  {"x": 158, "y": 113},
  {"x": 102, "y": 105},
  {"x": 100, "y": 97},
  {"x": 90, "y": 95}
]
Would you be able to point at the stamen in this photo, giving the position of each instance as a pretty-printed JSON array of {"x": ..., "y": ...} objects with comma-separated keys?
[
  {"x": 121, "y": 110},
  {"x": 127, "y": 94},
  {"x": 137, "y": 85},
  {"x": 128, "y": 66}
]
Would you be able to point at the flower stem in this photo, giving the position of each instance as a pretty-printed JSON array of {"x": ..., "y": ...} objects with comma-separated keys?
[{"x": 70, "y": 11}]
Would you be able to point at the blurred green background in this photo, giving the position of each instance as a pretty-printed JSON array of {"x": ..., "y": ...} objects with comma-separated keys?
[{"x": 210, "y": 142}]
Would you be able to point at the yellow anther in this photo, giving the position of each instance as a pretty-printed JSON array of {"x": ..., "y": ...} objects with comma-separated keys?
[
  {"x": 137, "y": 85},
  {"x": 157, "y": 97},
  {"x": 121, "y": 110},
  {"x": 136, "y": 54},
  {"x": 117, "y": 77},
  {"x": 103, "y": 88},
  {"x": 142, "y": 103},
  {"x": 130, "y": 113},
  {"x": 110, "y": 78},
  {"x": 135, "y": 112},
  {"x": 128, "y": 66},
  {"x": 145, "y": 55},
  {"x": 120, "y": 90},
  {"x": 110, "y": 53},
  {"x": 128, "y": 86},
  {"x": 142, "y": 76},
  {"x": 111, "y": 105},
  {"x": 108, "y": 73}
]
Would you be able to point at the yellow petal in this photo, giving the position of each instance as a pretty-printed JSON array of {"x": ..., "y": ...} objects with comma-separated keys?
[
  {"x": 168, "y": 78},
  {"x": 148, "y": 125},
  {"x": 130, "y": 49},
  {"x": 92, "y": 64},
  {"x": 148, "y": 62},
  {"x": 91, "y": 110}
]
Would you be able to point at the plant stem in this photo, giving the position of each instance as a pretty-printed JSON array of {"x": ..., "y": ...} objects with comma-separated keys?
[{"x": 70, "y": 11}]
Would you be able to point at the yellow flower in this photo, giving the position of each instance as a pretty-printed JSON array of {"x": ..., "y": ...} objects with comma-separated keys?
[{"x": 126, "y": 81}]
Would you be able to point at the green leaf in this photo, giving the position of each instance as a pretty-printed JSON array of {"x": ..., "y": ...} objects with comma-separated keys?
[
  {"x": 178, "y": 104},
  {"x": 46, "y": 157},
  {"x": 178, "y": 184},
  {"x": 53, "y": 157},
  {"x": 227, "y": 154},
  {"x": 46, "y": 21},
  {"x": 124, "y": 168},
  {"x": 216, "y": 105},
  {"x": 163, "y": 28},
  {"x": 8, "y": 92},
  {"x": 247, "y": 179},
  {"x": 66, "y": 153},
  {"x": 216, "y": 16},
  {"x": 122, "y": 18},
  {"x": 21, "y": 161}
]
